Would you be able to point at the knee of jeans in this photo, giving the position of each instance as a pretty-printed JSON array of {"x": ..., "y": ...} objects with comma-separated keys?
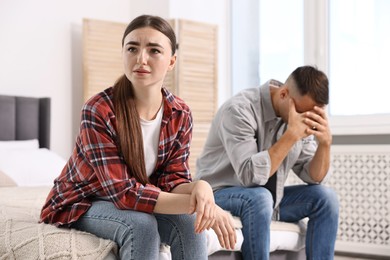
[
  {"x": 146, "y": 223},
  {"x": 260, "y": 201},
  {"x": 329, "y": 198},
  {"x": 183, "y": 222},
  {"x": 188, "y": 220},
  {"x": 140, "y": 224}
]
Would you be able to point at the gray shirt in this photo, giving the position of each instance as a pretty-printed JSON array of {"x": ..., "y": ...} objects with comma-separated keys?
[{"x": 236, "y": 149}]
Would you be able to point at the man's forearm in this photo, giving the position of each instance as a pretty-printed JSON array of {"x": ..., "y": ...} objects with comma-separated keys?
[
  {"x": 280, "y": 149},
  {"x": 319, "y": 165}
]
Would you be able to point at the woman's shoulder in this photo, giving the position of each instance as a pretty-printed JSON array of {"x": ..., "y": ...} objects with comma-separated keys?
[
  {"x": 175, "y": 102},
  {"x": 100, "y": 104},
  {"x": 100, "y": 100}
]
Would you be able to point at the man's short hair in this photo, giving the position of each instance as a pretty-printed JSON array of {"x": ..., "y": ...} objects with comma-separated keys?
[{"x": 313, "y": 82}]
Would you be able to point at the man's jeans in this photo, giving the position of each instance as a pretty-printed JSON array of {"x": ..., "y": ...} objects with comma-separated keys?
[
  {"x": 139, "y": 234},
  {"x": 255, "y": 208}
]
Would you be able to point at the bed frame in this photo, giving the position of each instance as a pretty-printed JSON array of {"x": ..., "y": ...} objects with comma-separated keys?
[
  {"x": 275, "y": 255},
  {"x": 25, "y": 118}
]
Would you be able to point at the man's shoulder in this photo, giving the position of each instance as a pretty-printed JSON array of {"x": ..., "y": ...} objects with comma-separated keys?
[{"x": 246, "y": 97}]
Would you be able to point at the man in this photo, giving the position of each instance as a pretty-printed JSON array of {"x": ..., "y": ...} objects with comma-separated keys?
[{"x": 255, "y": 139}]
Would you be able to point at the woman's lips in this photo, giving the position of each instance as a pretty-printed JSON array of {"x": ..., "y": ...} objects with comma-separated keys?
[{"x": 141, "y": 71}]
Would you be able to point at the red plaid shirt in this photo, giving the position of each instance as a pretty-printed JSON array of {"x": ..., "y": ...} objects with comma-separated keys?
[{"x": 97, "y": 170}]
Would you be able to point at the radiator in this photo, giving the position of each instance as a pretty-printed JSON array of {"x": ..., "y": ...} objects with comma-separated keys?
[{"x": 361, "y": 178}]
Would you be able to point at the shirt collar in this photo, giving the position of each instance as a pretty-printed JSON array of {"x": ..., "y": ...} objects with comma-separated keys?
[
  {"x": 266, "y": 101},
  {"x": 172, "y": 103},
  {"x": 170, "y": 100}
]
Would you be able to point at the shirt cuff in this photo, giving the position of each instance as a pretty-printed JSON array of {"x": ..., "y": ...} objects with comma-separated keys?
[
  {"x": 147, "y": 198},
  {"x": 261, "y": 167}
]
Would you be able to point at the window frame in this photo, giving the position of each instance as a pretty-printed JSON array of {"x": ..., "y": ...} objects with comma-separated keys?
[
  {"x": 316, "y": 52},
  {"x": 316, "y": 42}
]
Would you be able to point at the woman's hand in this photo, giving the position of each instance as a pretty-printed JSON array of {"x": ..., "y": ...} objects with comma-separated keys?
[
  {"x": 224, "y": 228},
  {"x": 203, "y": 204}
]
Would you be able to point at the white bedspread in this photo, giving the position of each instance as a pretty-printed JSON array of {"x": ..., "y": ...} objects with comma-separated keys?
[{"x": 21, "y": 237}]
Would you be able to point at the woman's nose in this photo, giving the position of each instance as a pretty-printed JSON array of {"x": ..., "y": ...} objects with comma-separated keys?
[{"x": 142, "y": 57}]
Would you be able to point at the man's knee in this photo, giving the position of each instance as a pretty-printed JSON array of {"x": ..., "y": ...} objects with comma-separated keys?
[
  {"x": 259, "y": 200},
  {"x": 328, "y": 196}
]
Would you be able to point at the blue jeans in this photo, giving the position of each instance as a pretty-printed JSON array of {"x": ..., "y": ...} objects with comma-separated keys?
[
  {"x": 138, "y": 234},
  {"x": 255, "y": 208}
]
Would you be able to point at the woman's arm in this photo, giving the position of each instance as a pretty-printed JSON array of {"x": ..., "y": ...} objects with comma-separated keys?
[
  {"x": 172, "y": 203},
  {"x": 201, "y": 201},
  {"x": 198, "y": 197},
  {"x": 188, "y": 198}
]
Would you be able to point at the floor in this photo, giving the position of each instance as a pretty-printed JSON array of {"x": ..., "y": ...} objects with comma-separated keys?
[
  {"x": 342, "y": 257},
  {"x": 348, "y": 258}
]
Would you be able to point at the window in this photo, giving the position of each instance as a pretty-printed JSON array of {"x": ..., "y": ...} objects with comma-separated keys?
[
  {"x": 346, "y": 39},
  {"x": 280, "y": 38},
  {"x": 359, "y": 56}
]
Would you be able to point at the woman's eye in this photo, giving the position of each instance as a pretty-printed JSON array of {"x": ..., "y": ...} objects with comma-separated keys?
[{"x": 155, "y": 51}]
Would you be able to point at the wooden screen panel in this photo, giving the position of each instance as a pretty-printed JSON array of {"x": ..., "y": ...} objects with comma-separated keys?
[
  {"x": 196, "y": 78},
  {"x": 197, "y": 74},
  {"x": 102, "y": 61}
]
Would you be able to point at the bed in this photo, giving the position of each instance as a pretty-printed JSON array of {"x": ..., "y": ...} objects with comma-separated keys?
[{"x": 27, "y": 170}]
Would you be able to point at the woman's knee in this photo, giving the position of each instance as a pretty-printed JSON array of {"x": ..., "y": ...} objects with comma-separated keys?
[
  {"x": 134, "y": 227},
  {"x": 141, "y": 224},
  {"x": 184, "y": 224},
  {"x": 178, "y": 231},
  {"x": 141, "y": 237}
]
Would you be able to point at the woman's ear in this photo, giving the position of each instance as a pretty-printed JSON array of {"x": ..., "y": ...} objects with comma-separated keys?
[{"x": 172, "y": 63}]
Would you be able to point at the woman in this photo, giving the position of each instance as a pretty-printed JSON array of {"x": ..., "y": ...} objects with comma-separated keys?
[{"x": 128, "y": 179}]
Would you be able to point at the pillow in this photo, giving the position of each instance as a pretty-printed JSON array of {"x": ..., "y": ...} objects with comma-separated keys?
[
  {"x": 6, "y": 181},
  {"x": 19, "y": 144},
  {"x": 31, "y": 167}
]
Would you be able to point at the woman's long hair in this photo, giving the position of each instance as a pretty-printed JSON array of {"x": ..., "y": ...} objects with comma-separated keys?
[{"x": 128, "y": 122}]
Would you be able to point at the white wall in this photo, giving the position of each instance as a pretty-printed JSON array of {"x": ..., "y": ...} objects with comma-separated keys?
[{"x": 41, "y": 49}]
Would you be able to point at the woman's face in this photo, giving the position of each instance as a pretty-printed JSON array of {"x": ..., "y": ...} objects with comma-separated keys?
[{"x": 147, "y": 57}]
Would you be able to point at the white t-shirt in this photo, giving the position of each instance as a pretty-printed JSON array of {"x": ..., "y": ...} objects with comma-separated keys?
[{"x": 151, "y": 137}]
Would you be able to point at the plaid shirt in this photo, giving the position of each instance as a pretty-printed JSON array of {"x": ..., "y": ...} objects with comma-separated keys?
[{"x": 97, "y": 170}]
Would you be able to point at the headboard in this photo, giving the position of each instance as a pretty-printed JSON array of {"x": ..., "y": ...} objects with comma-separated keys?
[{"x": 25, "y": 118}]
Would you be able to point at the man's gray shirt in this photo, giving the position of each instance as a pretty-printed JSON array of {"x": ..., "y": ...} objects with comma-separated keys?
[{"x": 236, "y": 149}]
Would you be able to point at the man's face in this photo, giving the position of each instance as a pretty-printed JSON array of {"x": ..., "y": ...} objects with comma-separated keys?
[{"x": 302, "y": 103}]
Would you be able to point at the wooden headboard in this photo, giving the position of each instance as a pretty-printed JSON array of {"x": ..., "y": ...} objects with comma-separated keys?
[{"x": 25, "y": 118}]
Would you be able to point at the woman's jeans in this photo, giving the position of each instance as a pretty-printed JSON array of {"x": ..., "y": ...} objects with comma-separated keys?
[
  {"x": 255, "y": 208},
  {"x": 138, "y": 235}
]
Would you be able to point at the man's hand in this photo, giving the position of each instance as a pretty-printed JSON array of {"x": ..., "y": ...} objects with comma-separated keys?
[
  {"x": 296, "y": 124},
  {"x": 224, "y": 228},
  {"x": 317, "y": 124}
]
